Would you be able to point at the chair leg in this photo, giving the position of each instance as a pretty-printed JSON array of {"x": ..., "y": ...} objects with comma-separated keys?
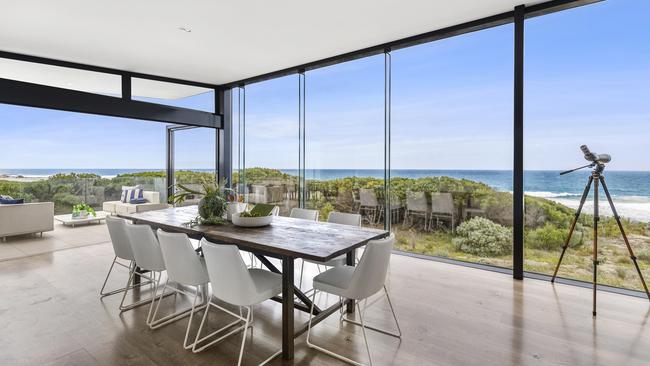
[
  {"x": 189, "y": 323},
  {"x": 399, "y": 331},
  {"x": 302, "y": 271},
  {"x": 321, "y": 349},
  {"x": 101, "y": 292},
  {"x": 363, "y": 330},
  {"x": 243, "y": 339},
  {"x": 168, "y": 319},
  {"x": 198, "y": 340}
]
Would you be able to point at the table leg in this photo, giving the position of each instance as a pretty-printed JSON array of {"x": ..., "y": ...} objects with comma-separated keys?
[
  {"x": 350, "y": 260},
  {"x": 287, "y": 308}
]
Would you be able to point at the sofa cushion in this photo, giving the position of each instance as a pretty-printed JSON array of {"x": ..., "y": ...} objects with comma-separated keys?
[
  {"x": 11, "y": 201},
  {"x": 136, "y": 201},
  {"x": 131, "y": 194}
]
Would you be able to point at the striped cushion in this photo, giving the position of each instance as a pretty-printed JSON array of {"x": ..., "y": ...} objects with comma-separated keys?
[{"x": 131, "y": 194}]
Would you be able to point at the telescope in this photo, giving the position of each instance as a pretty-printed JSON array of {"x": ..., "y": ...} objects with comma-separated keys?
[{"x": 596, "y": 160}]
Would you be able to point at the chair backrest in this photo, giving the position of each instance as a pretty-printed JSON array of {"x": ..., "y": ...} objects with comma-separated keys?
[
  {"x": 183, "y": 264},
  {"x": 229, "y": 277},
  {"x": 303, "y": 213},
  {"x": 370, "y": 275},
  {"x": 119, "y": 238},
  {"x": 416, "y": 201},
  {"x": 368, "y": 197},
  {"x": 442, "y": 203},
  {"x": 344, "y": 218},
  {"x": 145, "y": 247}
]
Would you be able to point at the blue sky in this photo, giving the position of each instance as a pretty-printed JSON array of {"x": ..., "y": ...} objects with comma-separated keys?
[{"x": 587, "y": 82}]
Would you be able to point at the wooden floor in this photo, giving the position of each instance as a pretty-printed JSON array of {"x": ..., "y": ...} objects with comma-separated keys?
[{"x": 50, "y": 314}]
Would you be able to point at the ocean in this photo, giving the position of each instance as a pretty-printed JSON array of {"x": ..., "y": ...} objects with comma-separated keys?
[{"x": 630, "y": 189}]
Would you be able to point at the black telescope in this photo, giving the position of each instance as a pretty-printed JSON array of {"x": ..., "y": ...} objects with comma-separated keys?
[{"x": 596, "y": 158}]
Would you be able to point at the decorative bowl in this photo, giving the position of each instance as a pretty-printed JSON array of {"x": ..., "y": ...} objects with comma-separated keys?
[{"x": 251, "y": 221}]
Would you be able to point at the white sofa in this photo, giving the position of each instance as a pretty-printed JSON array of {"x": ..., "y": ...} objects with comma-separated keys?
[
  {"x": 26, "y": 218},
  {"x": 119, "y": 208}
]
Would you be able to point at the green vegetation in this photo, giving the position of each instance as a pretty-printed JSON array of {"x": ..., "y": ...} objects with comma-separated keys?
[{"x": 485, "y": 239}]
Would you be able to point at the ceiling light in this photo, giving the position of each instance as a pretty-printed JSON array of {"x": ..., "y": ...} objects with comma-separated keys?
[{"x": 185, "y": 29}]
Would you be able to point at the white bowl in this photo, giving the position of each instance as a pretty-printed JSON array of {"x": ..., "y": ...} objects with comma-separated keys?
[{"x": 251, "y": 221}]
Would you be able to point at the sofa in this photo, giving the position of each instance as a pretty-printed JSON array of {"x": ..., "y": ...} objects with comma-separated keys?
[
  {"x": 26, "y": 218},
  {"x": 119, "y": 208}
]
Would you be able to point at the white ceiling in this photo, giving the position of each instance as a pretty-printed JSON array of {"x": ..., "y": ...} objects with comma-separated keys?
[{"x": 229, "y": 40}]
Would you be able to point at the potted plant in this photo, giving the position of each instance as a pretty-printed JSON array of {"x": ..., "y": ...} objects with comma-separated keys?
[
  {"x": 82, "y": 210},
  {"x": 213, "y": 205}
]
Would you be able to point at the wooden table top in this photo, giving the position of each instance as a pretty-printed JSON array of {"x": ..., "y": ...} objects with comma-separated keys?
[{"x": 314, "y": 240}]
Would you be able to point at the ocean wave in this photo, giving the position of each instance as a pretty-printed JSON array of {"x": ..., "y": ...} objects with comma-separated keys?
[{"x": 543, "y": 194}]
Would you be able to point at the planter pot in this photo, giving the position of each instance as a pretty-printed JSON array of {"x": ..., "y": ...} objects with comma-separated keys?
[
  {"x": 235, "y": 208},
  {"x": 80, "y": 215}
]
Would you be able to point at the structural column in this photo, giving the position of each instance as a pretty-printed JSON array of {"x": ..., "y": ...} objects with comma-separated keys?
[{"x": 518, "y": 153}]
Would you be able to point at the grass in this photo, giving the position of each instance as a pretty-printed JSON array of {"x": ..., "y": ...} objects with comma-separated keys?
[{"x": 615, "y": 269}]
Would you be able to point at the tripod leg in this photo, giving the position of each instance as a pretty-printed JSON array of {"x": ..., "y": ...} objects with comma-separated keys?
[
  {"x": 573, "y": 226},
  {"x": 594, "y": 258},
  {"x": 627, "y": 242}
]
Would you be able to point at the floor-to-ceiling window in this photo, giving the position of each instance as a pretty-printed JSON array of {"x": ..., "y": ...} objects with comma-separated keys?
[
  {"x": 451, "y": 147},
  {"x": 344, "y": 139},
  {"x": 71, "y": 158},
  {"x": 588, "y": 82},
  {"x": 271, "y": 154}
]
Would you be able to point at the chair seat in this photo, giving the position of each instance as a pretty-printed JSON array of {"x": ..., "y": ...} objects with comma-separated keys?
[
  {"x": 268, "y": 284},
  {"x": 336, "y": 262},
  {"x": 335, "y": 280}
]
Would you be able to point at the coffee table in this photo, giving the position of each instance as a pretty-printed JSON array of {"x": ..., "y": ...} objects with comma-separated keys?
[{"x": 69, "y": 221}]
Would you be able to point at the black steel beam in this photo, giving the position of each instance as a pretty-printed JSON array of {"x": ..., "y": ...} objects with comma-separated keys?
[
  {"x": 126, "y": 87},
  {"x": 106, "y": 70},
  {"x": 41, "y": 96},
  {"x": 518, "y": 153},
  {"x": 472, "y": 26},
  {"x": 223, "y": 107},
  {"x": 170, "y": 163}
]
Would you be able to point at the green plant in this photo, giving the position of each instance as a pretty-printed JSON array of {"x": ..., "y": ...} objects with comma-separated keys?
[
  {"x": 550, "y": 237},
  {"x": 212, "y": 206},
  {"x": 483, "y": 237},
  {"x": 76, "y": 209}
]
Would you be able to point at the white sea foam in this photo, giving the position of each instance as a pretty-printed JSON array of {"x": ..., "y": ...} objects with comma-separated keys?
[
  {"x": 632, "y": 207},
  {"x": 549, "y": 194}
]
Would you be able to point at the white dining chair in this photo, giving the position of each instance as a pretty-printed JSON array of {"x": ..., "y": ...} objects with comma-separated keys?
[
  {"x": 334, "y": 218},
  {"x": 122, "y": 249},
  {"x": 184, "y": 267},
  {"x": 148, "y": 255},
  {"x": 358, "y": 283},
  {"x": 304, "y": 213},
  {"x": 237, "y": 285}
]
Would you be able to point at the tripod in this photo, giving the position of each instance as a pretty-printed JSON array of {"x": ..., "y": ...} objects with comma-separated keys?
[{"x": 597, "y": 177}]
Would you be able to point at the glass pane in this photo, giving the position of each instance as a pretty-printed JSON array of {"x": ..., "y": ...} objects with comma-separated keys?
[
  {"x": 272, "y": 143},
  {"x": 587, "y": 83},
  {"x": 194, "y": 159},
  {"x": 71, "y": 158},
  {"x": 177, "y": 95},
  {"x": 344, "y": 158},
  {"x": 451, "y": 148},
  {"x": 61, "y": 77}
]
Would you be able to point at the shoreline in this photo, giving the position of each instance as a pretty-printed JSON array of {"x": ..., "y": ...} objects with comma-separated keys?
[{"x": 636, "y": 208}]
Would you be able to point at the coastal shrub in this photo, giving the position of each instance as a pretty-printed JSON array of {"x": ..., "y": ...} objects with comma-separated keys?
[
  {"x": 550, "y": 237},
  {"x": 482, "y": 237}
]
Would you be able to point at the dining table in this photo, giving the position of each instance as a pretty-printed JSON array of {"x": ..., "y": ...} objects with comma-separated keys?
[{"x": 285, "y": 239}]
